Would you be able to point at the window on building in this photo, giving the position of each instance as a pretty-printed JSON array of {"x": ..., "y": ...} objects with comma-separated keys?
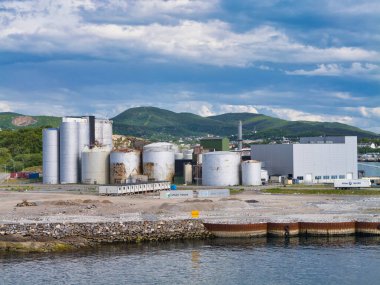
[
  {"x": 318, "y": 177},
  {"x": 342, "y": 176},
  {"x": 326, "y": 177},
  {"x": 334, "y": 176},
  {"x": 300, "y": 177}
]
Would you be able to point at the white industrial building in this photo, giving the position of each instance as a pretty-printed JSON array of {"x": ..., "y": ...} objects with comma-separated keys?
[{"x": 313, "y": 160}]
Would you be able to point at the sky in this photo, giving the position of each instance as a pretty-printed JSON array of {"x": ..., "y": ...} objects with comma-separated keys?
[{"x": 295, "y": 60}]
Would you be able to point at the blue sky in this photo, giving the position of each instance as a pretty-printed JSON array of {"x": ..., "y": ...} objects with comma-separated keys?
[{"x": 296, "y": 60}]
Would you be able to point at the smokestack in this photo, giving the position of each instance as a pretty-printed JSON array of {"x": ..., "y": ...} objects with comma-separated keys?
[
  {"x": 92, "y": 131},
  {"x": 240, "y": 136}
]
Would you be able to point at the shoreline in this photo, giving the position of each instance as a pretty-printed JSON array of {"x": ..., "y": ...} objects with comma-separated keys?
[{"x": 58, "y": 237}]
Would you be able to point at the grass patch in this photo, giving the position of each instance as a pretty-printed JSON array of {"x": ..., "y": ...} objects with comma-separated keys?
[
  {"x": 321, "y": 191},
  {"x": 236, "y": 191}
]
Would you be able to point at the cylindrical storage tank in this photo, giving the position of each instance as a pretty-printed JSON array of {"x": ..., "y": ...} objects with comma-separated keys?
[
  {"x": 95, "y": 165},
  {"x": 103, "y": 132},
  {"x": 68, "y": 152},
  {"x": 158, "y": 161},
  {"x": 251, "y": 173},
  {"x": 83, "y": 135},
  {"x": 188, "y": 154},
  {"x": 124, "y": 165},
  {"x": 188, "y": 173},
  {"x": 107, "y": 133},
  {"x": 50, "y": 156},
  {"x": 178, "y": 156},
  {"x": 220, "y": 168}
]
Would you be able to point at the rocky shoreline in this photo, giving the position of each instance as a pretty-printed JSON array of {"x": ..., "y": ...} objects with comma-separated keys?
[{"x": 50, "y": 237}]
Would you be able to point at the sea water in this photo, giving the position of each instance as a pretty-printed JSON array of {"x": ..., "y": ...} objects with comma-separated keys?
[{"x": 348, "y": 260}]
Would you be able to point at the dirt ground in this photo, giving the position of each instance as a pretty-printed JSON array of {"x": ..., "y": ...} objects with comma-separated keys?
[{"x": 245, "y": 207}]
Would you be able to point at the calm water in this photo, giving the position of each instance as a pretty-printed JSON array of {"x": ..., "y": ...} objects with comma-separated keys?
[
  {"x": 259, "y": 261},
  {"x": 370, "y": 168}
]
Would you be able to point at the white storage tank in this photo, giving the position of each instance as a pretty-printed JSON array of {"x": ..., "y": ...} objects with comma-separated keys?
[
  {"x": 95, "y": 165},
  {"x": 220, "y": 168},
  {"x": 178, "y": 156},
  {"x": 103, "y": 132},
  {"x": 69, "y": 153},
  {"x": 158, "y": 161},
  {"x": 124, "y": 165},
  {"x": 50, "y": 156},
  {"x": 251, "y": 173},
  {"x": 188, "y": 154},
  {"x": 188, "y": 173}
]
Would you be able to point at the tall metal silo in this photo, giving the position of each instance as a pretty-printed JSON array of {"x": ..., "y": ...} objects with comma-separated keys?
[
  {"x": 123, "y": 165},
  {"x": 103, "y": 132},
  {"x": 220, "y": 168},
  {"x": 83, "y": 140},
  {"x": 50, "y": 156},
  {"x": 251, "y": 173},
  {"x": 158, "y": 161},
  {"x": 69, "y": 153},
  {"x": 95, "y": 165}
]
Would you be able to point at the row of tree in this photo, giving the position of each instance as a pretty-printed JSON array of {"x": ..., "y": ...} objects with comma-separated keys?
[{"x": 20, "y": 149}]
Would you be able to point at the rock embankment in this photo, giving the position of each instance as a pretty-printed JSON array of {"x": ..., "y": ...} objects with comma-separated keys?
[{"x": 43, "y": 235}]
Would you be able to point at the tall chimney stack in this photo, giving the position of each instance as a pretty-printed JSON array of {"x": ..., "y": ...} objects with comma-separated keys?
[{"x": 240, "y": 136}]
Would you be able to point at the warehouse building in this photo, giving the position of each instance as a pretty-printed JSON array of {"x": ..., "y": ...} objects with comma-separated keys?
[{"x": 313, "y": 160}]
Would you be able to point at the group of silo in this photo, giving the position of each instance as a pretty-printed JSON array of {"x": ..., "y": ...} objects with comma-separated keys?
[
  {"x": 223, "y": 168},
  {"x": 78, "y": 151}
]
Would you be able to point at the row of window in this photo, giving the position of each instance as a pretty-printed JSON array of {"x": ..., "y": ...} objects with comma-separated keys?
[{"x": 325, "y": 177}]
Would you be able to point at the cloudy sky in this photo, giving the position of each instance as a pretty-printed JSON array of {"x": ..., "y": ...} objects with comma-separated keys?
[{"x": 296, "y": 60}]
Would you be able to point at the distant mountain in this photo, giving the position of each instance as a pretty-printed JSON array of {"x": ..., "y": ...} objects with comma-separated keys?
[
  {"x": 155, "y": 123},
  {"x": 151, "y": 122},
  {"x": 16, "y": 121}
]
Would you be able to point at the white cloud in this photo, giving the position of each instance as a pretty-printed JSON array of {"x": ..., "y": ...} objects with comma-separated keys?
[
  {"x": 296, "y": 115},
  {"x": 60, "y": 27},
  {"x": 237, "y": 109},
  {"x": 5, "y": 106},
  {"x": 333, "y": 69}
]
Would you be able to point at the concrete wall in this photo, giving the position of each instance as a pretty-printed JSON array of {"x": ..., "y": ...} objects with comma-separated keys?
[{"x": 276, "y": 158}]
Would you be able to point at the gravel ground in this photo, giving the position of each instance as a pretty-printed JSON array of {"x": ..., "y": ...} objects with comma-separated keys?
[{"x": 68, "y": 204}]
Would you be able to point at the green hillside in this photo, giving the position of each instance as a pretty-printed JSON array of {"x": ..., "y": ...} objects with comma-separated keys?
[
  {"x": 12, "y": 121},
  {"x": 151, "y": 122}
]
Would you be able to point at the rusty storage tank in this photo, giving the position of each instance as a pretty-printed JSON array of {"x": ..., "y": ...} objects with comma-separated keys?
[
  {"x": 95, "y": 165},
  {"x": 251, "y": 173},
  {"x": 124, "y": 165},
  {"x": 158, "y": 161},
  {"x": 220, "y": 168},
  {"x": 50, "y": 156}
]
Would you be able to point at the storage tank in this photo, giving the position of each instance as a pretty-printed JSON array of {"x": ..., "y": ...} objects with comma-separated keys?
[
  {"x": 103, "y": 132},
  {"x": 188, "y": 173},
  {"x": 220, "y": 168},
  {"x": 178, "y": 156},
  {"x": 50, "y": 156},
  {"x": 95, "y": 165},
  {"x": 69, "y": 153},
  {"x": 123, "y": 165},
  {"x": 158, "y": 161},
  {"x": 188, "y": 154},
  {"x": 251, "y": 173},
  {"x": 83, "y": 135}
]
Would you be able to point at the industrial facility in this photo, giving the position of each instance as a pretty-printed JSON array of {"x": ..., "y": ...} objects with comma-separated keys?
[
  {"x": 312, "y": 160},
  {"x": 81, "y": 151}
]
